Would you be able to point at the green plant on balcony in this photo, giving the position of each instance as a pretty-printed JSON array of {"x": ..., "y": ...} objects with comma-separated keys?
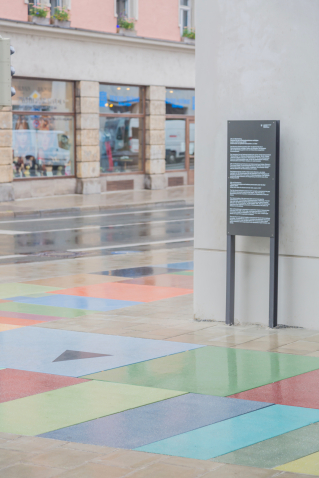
[
  {"x": 125, "y": 23},
  {"x": 35, "y": 11},
  {"x": 61, "y": 14},
  {"x": 189, "y": 33}
]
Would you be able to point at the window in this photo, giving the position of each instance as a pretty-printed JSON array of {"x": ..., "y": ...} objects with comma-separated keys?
[
  {"x": 43, "y": 128},
  {"x": 185, "y": 15},
  {"x": 122, "y": 8},
  {"x": 122, "y": 115},
  {"x": 179, "y": 129}
]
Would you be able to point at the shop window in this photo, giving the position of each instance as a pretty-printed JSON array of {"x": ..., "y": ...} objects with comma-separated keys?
[
  {"x": 179, "y": 129},
  {"x": 121, "y": 129},
  {"x": 43, "y": 128}
]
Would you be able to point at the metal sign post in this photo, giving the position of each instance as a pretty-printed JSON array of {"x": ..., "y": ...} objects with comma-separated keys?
[{"x": 253, "y": 199}]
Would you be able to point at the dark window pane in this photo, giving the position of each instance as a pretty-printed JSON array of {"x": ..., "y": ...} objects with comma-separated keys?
[
  {"x": 180, "y": 102},
  {"x": 43, "y": 95},
  {"x": 43, "y": 146},
  {"x": 175, "y": 143},
  {"x": 121, "y": 99},
  {"x": 121, "y": 144}
]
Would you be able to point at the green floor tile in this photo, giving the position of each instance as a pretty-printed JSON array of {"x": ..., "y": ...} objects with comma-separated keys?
[
  {"x": 16, "y": 289},
  {"x": 75, "y": 404},
  {"x": 183, "y": 273},
  {"x": 276, "y": 451},
  {"x": 212, "y": 370},
  {"x": 42, "y": 310}
]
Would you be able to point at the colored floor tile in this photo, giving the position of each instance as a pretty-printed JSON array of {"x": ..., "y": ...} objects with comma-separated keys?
[
  {"x": 67, "y": 406},
  {"x": 16, "y": 384},
  {"x": 76, "y": 280},
  {"x": 276, "y": 451},
  {"x": 136, "y": 271},
  {"x": 308, "y": 464},
  {"x": 28, "y": 317},
  {"x": 180, "y": 265},
  {"x": 15, "y": 289},
  {"x": 183, "y": 273},
  {"x": 144, "y": 425},
  {"x": 40, "y": 310},
  {"x": 36, "y": 349},
  {"x": 299, "y": 391},
  {"x": 235, "y": 433},
  {"x": 4, "y": 327},
  {"x": 213, "y": 370},
  {"x": 21, "y": 322},
  {"x": 125, "y": 292},
  {"x": 164, "y": 280},
  {"x": 77, "y": 302}
]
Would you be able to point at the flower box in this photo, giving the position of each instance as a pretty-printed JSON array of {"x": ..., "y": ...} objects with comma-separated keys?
[
  {"x": 60, "y": 23},
  {"x": 126, "y": 31},
  {"x": 39, "y": 20},
  {"x": 190, "y": 41}
]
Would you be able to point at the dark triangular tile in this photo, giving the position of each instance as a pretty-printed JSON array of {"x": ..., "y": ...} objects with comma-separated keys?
[{"x": 77, "y": 355}]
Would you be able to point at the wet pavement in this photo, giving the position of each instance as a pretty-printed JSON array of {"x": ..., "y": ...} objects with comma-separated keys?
[
  {"x": 90, "y": 233},
  {"x": 105, "y": 372}
]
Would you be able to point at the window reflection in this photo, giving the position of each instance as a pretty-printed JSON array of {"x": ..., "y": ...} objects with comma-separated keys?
[
  {"x": 121, "y": 144},
  {"x": 175, "y": 132},
  {"x": 42, "y": 146},
  {"x": 121, "y": 99}
]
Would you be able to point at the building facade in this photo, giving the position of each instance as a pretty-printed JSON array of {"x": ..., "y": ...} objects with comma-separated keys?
[
  {"x": 98, "y": 107},
  {"x": 262, "y": 66}
]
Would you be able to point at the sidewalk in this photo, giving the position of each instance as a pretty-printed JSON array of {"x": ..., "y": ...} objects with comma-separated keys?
[{"x": 77, "y": 203}]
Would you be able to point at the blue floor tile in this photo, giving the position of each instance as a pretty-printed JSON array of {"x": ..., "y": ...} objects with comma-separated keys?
[
  {"x": 135, "y": 272},
  {"x": 230, "y": 435},
  {"x": 187, "y": 266},
  {"x": 144, "y": 425},
  {"x": 77, "y": 302},
  {"x": 35, "y": 349}
]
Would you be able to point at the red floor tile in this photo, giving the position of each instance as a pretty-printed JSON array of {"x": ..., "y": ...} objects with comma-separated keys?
[
  {"x": 164, "y": 280},
  {"x": 299, "y": 391},
  {"x": 18, "y": 383},
  {"x": 23, "y": 322},
  {"x": 130, "y": 292}
]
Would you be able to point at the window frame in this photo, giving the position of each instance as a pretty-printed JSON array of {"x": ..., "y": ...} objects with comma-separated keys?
[
  {"x": 188, "y": 119},
  {"x": 141, "y": 116},
  {"x": 184, "y": 8},
  {"x": 48, "y": 113}
]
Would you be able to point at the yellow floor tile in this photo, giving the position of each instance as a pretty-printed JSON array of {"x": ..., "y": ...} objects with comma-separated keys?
[{"x": 307, "y": 465}]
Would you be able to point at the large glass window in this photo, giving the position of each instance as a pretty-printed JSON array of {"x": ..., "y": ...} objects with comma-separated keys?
[
  {"x": 185, "y": 15},
  {"x": 121, "y": 129},
  {"x": 179, "y": 130},
  {"x": 43, "y": 128}
]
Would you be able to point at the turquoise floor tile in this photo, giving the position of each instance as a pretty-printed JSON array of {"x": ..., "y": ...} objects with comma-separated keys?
[{"x": 235, "y": 433}]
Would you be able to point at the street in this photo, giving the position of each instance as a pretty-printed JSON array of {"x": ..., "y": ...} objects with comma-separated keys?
[{"x": 24, "y": 239}]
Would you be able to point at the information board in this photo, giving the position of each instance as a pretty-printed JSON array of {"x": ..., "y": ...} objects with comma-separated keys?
[{"x": 253, "y": 174}]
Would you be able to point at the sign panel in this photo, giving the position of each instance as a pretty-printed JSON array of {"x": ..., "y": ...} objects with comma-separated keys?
[{"x": 253, "y": 174}]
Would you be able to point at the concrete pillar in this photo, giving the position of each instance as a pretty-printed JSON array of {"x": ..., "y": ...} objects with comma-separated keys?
[
  {"x": 155, "y": 138},
  {"x": 87, "y": 138},
  {"x": 6, "y": 171}
]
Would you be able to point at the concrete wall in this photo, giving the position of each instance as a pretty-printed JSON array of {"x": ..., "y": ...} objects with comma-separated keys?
[
  {"x": 74, "y": 55},
  {"x": 258, "y": 60}
]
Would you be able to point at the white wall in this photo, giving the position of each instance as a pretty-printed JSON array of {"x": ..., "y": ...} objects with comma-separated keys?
[
  {"x": 258, "y": 59},
  {"x": 46, "y": 52}
]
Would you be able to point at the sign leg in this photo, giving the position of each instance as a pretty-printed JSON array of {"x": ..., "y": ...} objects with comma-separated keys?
[
  {"x": 273, "y": 282},
  {"x": 230, "y": 280}
]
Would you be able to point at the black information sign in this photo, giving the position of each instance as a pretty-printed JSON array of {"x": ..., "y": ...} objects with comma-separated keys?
[{"x": 253, "y": 162}]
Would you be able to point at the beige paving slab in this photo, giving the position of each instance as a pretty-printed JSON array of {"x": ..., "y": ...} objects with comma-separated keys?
[
  {"x": 32, "y": 444},
  {"x": 129, "y": 459},
  {"x": 100, "y": 450},
  {"x": 234, "y": 471},
  {"x": 77, "y": 280},
  {"x": 62, "y": 458},
  {"x": 10, "y": 457},
  {"x": 204, "y": 465},
  {"x": 22, "y": 470},
  {"x": 96, "y": 470},
  {"x": 300, "y": 347},
  {"x": 268, "y": 343},
  {"x": 161, "y": 470}
]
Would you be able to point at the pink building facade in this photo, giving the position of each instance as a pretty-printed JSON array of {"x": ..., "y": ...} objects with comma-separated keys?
[{"x": 105, "y": 99}]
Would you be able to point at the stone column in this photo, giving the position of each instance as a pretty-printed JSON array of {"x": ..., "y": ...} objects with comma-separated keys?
[
  {"x": 87, "y": 138},
  {"x": 6, "y": 171},
  {"x": 155, "y": 138}
]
